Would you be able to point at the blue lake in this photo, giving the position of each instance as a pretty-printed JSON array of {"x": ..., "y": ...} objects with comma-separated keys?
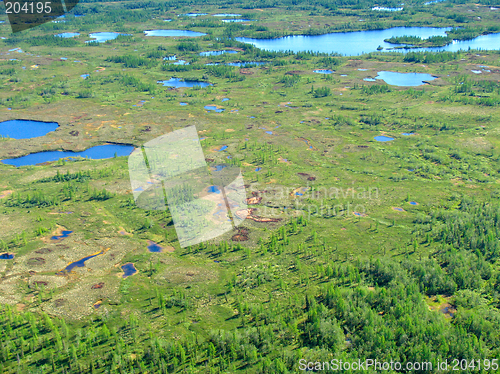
[
  {"x": 225, "y": 99},
  {"x": 382, "y": 138},
  {"x": 95, "y": 153},
  {"x": 404, "y": 79},
  {"x": 68, "y": 34},
  {"x": 359, "y": 42},
  {"x": 223, "y": 148},
  {"x": 183, "y": 104},
  {"x": 101, "y": 37},
  {"x": 172, "y": 33},
  {"x": 216, "y": 53},
  {"x": 177, "y": 82},
  {"x": 128, "y": 270},
  {"x": 26, "y": 129},
  {"x": 6, "y": 256},
  {"x": 323, "y": 71},
  {"x": 85, "y": 76},
  {"x": 408, "y": 133}
]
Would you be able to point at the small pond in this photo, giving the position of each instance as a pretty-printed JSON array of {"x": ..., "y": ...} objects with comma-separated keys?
[
  {"x": 382, "y": 138},
  {"x": 214, "y": 108},
  {"x": 26, "y": 129},
  {"x": 236, "y": 20},
  {"x": 154, "y": 247},
  {"x": 6, "y": 256},
  {"x": 177, "y": 82},
  {"x": 217, "y": 53},
  {"x": 323, "y": 71},
  {"x": 64, "y": 234},
  {"x": 68, "y": 34},
  {"x": 128, "y": 270},
  {"x": 80, "y": 263},
  {"x": 101, "y": 37}
]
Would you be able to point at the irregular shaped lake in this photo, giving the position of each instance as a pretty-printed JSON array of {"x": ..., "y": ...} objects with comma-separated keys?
[
  {"x": 101, "y": 37},
  {"x": 216, "y": 53},
  {"x": 173, "y": 33},
  {"x": 26, "y": 129},
  {"x": 404, "y": 79},
  {"x": 177, "y": 82},
  {"x": 68, "y": 34},
  {"x": 95, "y": 153},
  {"x": 128, "y": 270},
  {"x": 382, "y": 138},
  {"x": 359, "y": 42}
]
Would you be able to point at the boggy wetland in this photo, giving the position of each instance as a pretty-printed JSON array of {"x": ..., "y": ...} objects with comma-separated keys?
[{"x": 367, "y": 135}]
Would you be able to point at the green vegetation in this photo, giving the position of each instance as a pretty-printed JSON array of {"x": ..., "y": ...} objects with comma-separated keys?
[{"x": 385, "y": 250}]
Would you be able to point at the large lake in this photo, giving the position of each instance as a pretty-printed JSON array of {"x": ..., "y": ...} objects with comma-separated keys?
[
  {"x": 359, "y": 42},
  {"x": 26, "y": 129},
  {"x": 96, "y": 153}
]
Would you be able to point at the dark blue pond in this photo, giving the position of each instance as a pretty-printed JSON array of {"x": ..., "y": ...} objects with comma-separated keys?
[
  {"x": 359, "y": 42},
  {"x": 172, "y": 33},
  {"x": 224, "y": 147},
  {"x": 80, "y": 263},
  {"x": 6, "y": 256},
  {"x": 68, "y": 34},
  {"x": 154, "y": 247},
  {"x": 413, "y": 203},
  {"x": 213, "y": 189},
  {"x": 64, "y": 234},
  {"x": 258, "y": 169},
  {"x": 382, "y": 138},
  {"x": 25, "y": 129},
  {"x": 95, "y": 153},
  {"x": 128, "y": 270},
  {"x": 408, "y": 133},
  {"x": 177, "y": 82},
  {"x": 404, "y": 79},
  {"x": 217, "y": 53},
  {"x": 101, "y": 37},
  {"x": 323, "y": 71}
]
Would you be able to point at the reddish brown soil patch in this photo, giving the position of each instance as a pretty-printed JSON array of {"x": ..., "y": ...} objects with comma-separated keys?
[
  {"x": 246, "y": 72},
  {"x": 209, "y": 160},
  {"x": 36, "y": 261},
  {"x": 97, "y": 286},
  {"x": 263, "y": 219},
  {"x": 31, "y": 272},
  {"x": 43, "y": 250},
  {"x": 311, "y": 178},
  {"x": 254, "y": 200},
  {"x": 241, "y": 236}
]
